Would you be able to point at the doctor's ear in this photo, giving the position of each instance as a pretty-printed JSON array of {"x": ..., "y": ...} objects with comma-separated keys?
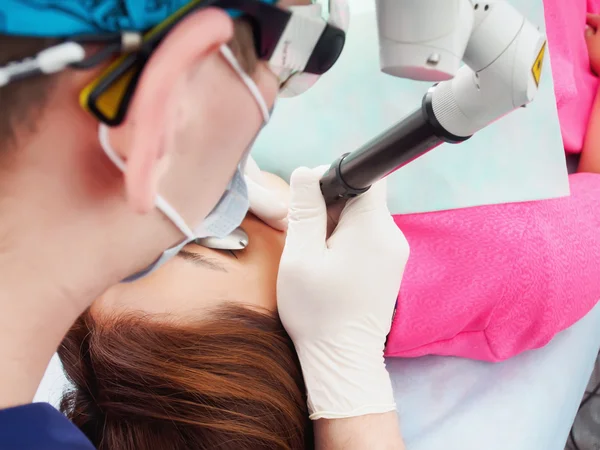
[{"x": 140, "y": 139}]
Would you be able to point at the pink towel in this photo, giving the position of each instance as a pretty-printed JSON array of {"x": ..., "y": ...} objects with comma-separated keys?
[
  {"x": 574, "y": 84},
  {"x": 493, "y": 281}
]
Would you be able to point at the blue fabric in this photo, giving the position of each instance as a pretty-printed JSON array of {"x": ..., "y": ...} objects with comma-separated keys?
[
  {"x": 41, "y": 427},
  {"x": 64, "y": 18}
]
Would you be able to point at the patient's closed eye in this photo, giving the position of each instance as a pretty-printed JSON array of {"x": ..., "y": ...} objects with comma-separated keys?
[{"x": 202, "y": 260}]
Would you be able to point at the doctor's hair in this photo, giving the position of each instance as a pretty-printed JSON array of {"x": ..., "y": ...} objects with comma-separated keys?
[
  {"x": 23, "y": 102},
  {"x": 231, "y": 381}
]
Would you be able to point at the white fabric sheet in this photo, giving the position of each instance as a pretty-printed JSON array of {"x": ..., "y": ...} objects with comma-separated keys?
[{"x": 526, "y": 403}]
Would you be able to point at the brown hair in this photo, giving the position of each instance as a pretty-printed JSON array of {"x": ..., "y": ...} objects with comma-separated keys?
[
  {"x": 232, "y": 381},
  {"x": 22, "y": 102}
]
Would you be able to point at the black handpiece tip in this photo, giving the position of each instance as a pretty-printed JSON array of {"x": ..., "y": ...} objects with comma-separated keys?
[{"x": 333, "y": 185}]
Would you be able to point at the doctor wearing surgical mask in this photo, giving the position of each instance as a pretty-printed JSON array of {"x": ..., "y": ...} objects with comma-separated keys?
[{"x": 90, "y": 197}]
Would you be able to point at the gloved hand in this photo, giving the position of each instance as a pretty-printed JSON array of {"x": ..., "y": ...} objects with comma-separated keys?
[
  {"x": 265, "y": 204},
  {"x": 336, "y": 297}
]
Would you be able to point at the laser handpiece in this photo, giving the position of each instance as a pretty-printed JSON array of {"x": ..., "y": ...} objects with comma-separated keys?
[
  {"x": 353, "y": 173},
  {"x": 503, "y": 56}
]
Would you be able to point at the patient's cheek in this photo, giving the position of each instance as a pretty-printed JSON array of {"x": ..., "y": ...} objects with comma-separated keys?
[{"x": 277, "y": 185}]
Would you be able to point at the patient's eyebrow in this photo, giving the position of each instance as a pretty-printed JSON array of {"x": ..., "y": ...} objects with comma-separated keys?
[{"x": 201, "y": 260}]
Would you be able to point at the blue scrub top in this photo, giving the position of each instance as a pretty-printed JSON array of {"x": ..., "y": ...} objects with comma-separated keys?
[{"x": 39, "y": 426}]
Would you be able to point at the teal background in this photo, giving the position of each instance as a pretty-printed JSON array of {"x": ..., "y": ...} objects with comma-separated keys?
[{"x": 518, "y": 158}]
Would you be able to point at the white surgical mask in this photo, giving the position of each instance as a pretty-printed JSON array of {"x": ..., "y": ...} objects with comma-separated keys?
[
  {"x": 231, "y": 209},
  {"x": 293, "y": 83}
]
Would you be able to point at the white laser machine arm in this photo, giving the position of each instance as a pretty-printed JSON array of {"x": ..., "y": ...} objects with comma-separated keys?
[{"x": 428, "y": 40}]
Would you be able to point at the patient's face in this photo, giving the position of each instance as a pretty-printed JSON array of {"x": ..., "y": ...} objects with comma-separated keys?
[{"x": 200, "y": 279}]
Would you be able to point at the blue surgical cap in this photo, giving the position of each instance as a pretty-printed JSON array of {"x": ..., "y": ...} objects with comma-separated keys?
[{"x": 64, "y": 18}]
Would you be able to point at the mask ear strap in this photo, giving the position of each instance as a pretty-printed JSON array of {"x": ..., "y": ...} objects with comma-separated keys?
[
  {"x": 160, "y": 202},
  {"x": 249, "y": 82},
  {"x": 174, "y": 217},
  {"x": 108, "y": 149}
]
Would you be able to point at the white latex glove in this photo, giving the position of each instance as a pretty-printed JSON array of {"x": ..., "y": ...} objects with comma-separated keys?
[
  {"x": 265, "y": 204},
  {"x": 336, "y": 297}
]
